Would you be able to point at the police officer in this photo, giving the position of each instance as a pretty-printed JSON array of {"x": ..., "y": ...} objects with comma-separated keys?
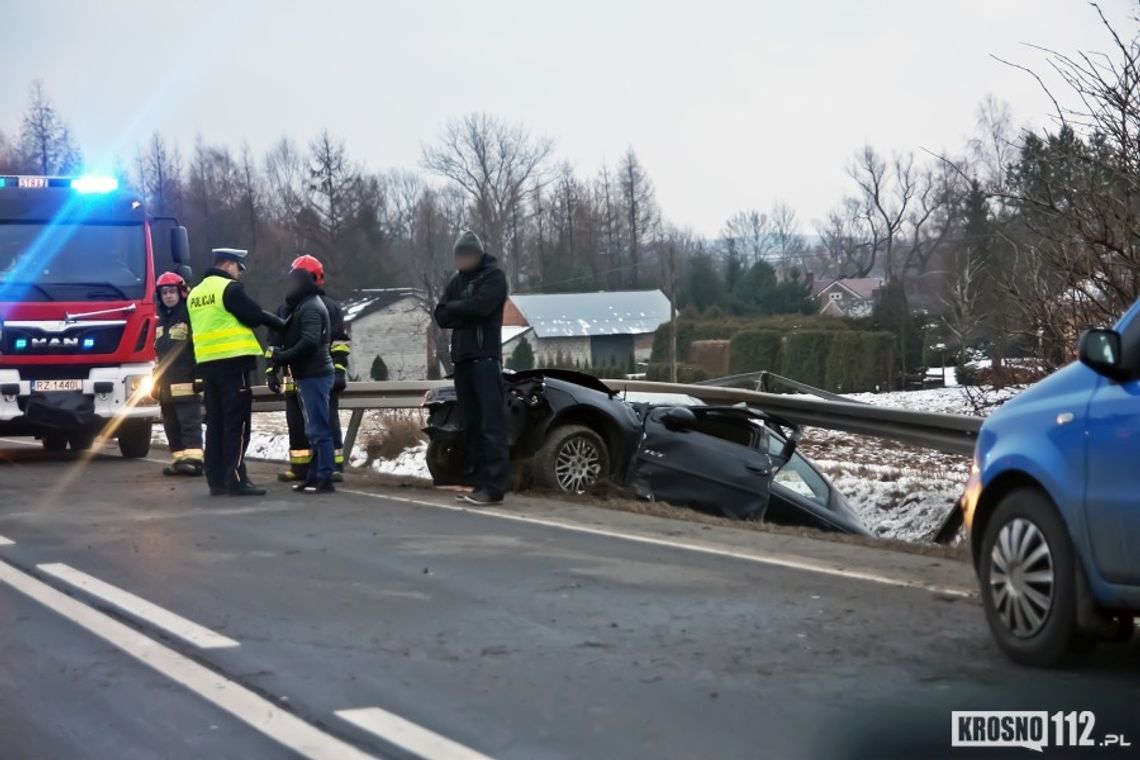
[
  {"x": 174, "y": 384},
  {"x": 300, "y": 450},
  {"x": 223, "y": 317},
  {"x": 472, "y": 308}
]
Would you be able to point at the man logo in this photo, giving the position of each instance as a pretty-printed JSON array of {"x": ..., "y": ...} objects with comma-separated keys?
[{"x": 39, "y": 343}]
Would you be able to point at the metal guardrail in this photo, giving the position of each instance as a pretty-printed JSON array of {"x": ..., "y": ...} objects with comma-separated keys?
[
  {"x": 951, "y": 433},
  {"x": 764, "y": 380}
]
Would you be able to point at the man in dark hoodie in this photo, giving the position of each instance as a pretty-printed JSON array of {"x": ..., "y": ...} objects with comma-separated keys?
[
  {"x": 305, "y": 351},
  {"x": 472, "y": 308},
  {"x": 223, "y": 317},
  {"x": 300, "y": 448},
  {"x": 175, "y": 375}
]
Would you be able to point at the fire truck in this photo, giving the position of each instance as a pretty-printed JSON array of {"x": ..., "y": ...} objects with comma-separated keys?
[{"x": 77, "y": 310}]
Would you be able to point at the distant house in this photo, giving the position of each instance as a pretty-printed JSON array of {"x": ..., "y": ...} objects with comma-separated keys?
[
  {"x": 587, "y": 329},
  {"x": 847, "y": 297},
  {"x": 392, "y": 323}
]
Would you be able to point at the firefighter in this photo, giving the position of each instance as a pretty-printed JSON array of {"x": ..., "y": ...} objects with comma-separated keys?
[
  {"x": 280, "y": 381},
  {"x": 174, "y": 384},
  {"x": 223, "y": 316}
]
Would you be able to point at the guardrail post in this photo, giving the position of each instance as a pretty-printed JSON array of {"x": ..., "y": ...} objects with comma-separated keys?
[{"x": 350, "y": 434}]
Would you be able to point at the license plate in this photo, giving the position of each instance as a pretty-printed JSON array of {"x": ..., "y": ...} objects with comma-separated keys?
[
  {"x": 43, "y": 386},
  {"x": 34, "y": 183}
]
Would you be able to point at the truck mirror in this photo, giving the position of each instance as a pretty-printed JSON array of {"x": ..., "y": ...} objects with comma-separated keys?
[
  {"x": 179, "y": 245},
  {"x": 1100, "y": 349},
  {"x": 185, "y": 272}
]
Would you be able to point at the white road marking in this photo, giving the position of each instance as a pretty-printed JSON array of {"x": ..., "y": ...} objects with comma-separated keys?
[
  {"x": 281, "y": 726},
  {"x": 416, "y": 739},
  {"x": 780, "y": 560},
  {"x": 6, "y": 541},
  {"x": 176, "y": 625}
]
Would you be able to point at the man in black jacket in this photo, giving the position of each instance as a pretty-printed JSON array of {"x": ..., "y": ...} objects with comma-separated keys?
[
  {"x": 223, "y": 318},
  {"x": 305, "y": 351},
  {"x": 472, "y": 308},
  {"x": 174, "y": 382},
  {"x": 300, "y": 449}
]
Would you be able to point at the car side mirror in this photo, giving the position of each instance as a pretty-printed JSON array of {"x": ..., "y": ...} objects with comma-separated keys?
[
  {"x": 180, "y": 244},
  {"x": 679, "y": 418},
  {"x": 1101, "y": 350}
]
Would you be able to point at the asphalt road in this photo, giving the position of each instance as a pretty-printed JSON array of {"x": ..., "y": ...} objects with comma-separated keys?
[{"x": 141, "y": 618}]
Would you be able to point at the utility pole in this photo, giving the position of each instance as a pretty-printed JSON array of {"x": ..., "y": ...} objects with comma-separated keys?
[{"x": 672, "y": 313}]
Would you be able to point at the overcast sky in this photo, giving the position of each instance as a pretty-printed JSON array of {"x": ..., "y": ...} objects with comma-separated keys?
[{"x": 729, "y": 105}]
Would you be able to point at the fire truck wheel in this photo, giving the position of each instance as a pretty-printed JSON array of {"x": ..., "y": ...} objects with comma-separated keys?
[
  {"x": 134, "y": 439},
  {"x": 54, "y": 443}
]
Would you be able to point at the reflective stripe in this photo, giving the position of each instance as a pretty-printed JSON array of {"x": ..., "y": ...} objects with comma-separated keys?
[
  {"x": 194, "y": 455},
  {"x": 217, "y": 333},
  {"x": 300, "y": 456},
  {"x": 340, "y": 347},
  {"x": 182, "y": 389}
]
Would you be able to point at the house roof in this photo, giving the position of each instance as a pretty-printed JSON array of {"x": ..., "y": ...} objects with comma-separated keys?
[
  {"x": 563, "y": 315},
  {"x": 370, "y": 300},
  {"x": 860, "y": 287},
  {"x": 510, "y": 332}
]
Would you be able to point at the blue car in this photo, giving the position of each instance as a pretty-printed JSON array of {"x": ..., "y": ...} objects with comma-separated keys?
[{"x": 1052, "y": 506}]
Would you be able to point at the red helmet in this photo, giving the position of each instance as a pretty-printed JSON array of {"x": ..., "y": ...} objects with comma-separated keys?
[
  {"x": 173, "y": 279},
  {"x": 312, "y": 265}
]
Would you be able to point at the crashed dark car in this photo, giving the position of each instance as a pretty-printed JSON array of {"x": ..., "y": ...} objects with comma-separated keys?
[{"x": 569, "y": 431}]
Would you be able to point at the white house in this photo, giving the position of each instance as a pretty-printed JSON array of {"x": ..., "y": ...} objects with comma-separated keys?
[
  {"x": 848, "y": 297},
  {"x": 392, "y": 323}
]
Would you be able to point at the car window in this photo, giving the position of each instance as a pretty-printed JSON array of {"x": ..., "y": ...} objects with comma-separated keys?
[
  {"x": 727, "y": 427},
  {"x": 798, "y": 476}
]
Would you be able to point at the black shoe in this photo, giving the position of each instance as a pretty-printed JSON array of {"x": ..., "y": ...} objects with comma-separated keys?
[
  {"x": 170, "y": 470},
  {"x": 190, "y": 469},
  {"x": 320, "y": 486},
  {"x": 290, "y": 476},
  {"x": 482, "y": 498},
  {"x": 218, "y": 491},
  {"x": 299, "y": 487},
  {"x": 338, "y": 477},
  {"x": 245, "y": 489}
]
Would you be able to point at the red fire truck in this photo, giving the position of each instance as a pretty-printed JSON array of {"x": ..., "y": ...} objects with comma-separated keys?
[{"x": 77, "y": 311}]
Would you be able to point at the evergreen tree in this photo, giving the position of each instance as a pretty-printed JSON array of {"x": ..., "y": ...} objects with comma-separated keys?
[
  {"x": 522, "y": 357},
  {"x": 379, "y": 371}
]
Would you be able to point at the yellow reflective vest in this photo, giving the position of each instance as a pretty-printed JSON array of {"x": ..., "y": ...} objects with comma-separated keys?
[{"x": 217, "y": 333}]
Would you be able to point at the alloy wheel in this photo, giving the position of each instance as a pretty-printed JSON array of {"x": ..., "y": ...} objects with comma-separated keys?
[{"x": 578, "y": 465}]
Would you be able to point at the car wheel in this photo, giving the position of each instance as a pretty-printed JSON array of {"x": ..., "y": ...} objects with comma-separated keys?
[
  {"x": 447, "y": 463},
  {"x": 1027, "y": 571},
  {"x": 134, "y": 439},
  {"x": 573, "y": 459},
  {"x": 54, "y": 443}
]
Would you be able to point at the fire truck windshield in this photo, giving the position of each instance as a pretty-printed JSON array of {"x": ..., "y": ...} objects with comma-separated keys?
[{"x": 71, "y": 262}]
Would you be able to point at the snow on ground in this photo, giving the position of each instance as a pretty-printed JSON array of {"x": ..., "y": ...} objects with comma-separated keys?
[{"x": 898, "y": 491}]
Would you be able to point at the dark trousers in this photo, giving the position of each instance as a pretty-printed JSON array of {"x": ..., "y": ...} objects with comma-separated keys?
[
  {"x": 182, "y": 421},
  {"x": 314, "y": 393},
  {"x": 479, "y": 393},
  {"x": 229, "y": 402},
  {"x": 300, "y": 451}
]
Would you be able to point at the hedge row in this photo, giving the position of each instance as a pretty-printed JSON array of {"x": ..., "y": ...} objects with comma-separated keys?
[{"x": 725, "y": 328}]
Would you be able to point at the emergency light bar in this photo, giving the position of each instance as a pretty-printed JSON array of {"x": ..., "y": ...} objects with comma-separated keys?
[{"x": 86, "y": 185}]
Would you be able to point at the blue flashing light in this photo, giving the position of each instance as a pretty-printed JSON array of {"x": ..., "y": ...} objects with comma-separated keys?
[
  {"x": 94, "y": 184},
  {"x": 88, "y": 344},
  {"x": 2, "y": 181},
  {"x": 21, "y": 344}
]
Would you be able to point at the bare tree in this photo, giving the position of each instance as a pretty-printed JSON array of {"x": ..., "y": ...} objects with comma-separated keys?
[
  {"x": 786, "y": 238},
  {"x": 494, "y": 162},
  {"x": 45, "y": 140},
  {"x": 642, "y": 217},
  {"x": 750, "y": 234},
  {"x": 887, "y": 191},
  {"x": 962, "y": 314},
  {"x": 847, "y": 240}
]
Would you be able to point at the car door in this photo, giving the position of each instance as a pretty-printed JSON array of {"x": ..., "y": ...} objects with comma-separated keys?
[
  {"x": 1112, "y": 481},
  {"x": 716, "y": 466}
]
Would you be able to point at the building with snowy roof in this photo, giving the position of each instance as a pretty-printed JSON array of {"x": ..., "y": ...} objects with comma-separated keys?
[
  {"x": 392, "y": 323},
  {"x": 607, "y": 328}
]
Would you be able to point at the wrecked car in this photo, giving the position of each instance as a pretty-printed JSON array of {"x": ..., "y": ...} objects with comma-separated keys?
[{"x": 569, "y": 431}]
